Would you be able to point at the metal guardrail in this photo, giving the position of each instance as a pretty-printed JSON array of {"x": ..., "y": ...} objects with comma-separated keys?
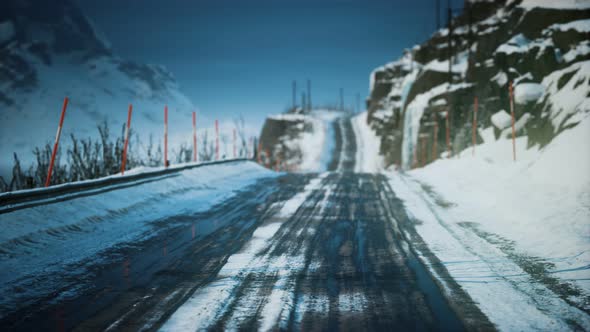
[{"x": 18, "y": 200}]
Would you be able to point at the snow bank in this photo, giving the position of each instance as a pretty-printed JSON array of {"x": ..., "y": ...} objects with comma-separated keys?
[
  {"x": 368, "y": 146},
  {"x": 537, "y": 208},
  {"x": 97, "y": 222}
]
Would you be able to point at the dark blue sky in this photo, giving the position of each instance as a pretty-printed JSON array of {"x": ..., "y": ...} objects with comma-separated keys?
[{"x": 236, "y": 57}]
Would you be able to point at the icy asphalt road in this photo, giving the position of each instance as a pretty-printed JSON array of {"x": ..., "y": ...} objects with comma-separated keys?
[{"x": 322, "y": 251}]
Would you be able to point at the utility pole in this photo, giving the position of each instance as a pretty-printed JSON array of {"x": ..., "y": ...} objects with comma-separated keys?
[
  {"x": 308, "y": 94},
  {"x": 294, "y": 86},
  {"x": 437, "y": 14},
  {"x": 303, "y": 101},
  {"x": 341, "y": 99}
]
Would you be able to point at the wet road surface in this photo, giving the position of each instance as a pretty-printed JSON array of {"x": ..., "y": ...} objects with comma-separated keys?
[{"x": 299, "y": 252}]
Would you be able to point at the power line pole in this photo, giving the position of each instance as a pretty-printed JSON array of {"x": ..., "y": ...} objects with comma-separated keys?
[
  {"x": 309, "y": 95},
  {"x": 303, "y": 103},
  {"x": 437, "y": 14},
  {"x": 294, "y": 86}
]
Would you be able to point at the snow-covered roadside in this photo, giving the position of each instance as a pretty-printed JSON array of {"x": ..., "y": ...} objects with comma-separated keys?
[
  {"x": 367, "y": 146},
  {"x": 42, "y": 239},
  {"x": 514, "y": 235}
]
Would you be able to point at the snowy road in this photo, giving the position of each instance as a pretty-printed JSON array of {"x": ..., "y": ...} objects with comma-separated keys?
[{"x": 324, "y": 251}]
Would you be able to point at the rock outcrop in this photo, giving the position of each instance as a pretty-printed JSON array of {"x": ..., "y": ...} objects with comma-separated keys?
[{"x": 544, "y": 51}]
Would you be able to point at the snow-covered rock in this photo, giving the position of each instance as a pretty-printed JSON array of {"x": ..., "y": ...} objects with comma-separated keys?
[
  {"x": 528, "y": 92},
  {"x": 501, "y": 119}
]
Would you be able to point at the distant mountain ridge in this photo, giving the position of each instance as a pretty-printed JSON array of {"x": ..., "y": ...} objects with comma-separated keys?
[{"x": 50, "y": 50}]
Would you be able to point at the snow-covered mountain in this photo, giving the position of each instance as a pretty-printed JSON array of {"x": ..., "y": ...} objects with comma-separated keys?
[
  {"x": 49, "y": 50},
  {"x": 541, "y": 46}
]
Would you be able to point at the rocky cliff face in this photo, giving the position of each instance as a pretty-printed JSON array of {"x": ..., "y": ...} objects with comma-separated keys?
[
  {"x": 293, "y": 141},
  {"x": 49, "y": 50},
  {"x": 542, "y": 47}
]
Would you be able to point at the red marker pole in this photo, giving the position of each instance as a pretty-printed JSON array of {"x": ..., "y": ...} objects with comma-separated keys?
[
  {"x": 127, "y": 129},
  {"x": 216, "y": 140},
  {"x": 512, "y": 116},
  {"x": 166, "y": 136},
  {"x": 474, "y": 129},
  {"x": 252, "y": 147},
  {"x": 195, "y": 136},
  {"x": 259, "y": 152},
  {"x": 434, "y": 144},
  {"x": 448, "y": 133},
  {"x": 56, "y": 144},
  {"x": 235, "y": 155},
  {"x": 235, "y": 145}
]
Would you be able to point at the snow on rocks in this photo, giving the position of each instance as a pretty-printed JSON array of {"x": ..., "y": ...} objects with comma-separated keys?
[
  {"x": 501, "y": 119},
  {"x": 528, "y": 92},
  {"x": 568, "y": 101},
  {"x": 579, "y": 25},
  {"x": 561, "y": 4},
  {"x": 580, "y": 50}
]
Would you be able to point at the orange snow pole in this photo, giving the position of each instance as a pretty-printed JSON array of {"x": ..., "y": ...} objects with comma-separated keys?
[
  {"x": 216, "y": 140},
  {"x": 448, "y": 132},
  {"x": 56, "y": 144},
  {"x": 195, "y": 136},
  {"x": 474, "y": 127},
  {"x": 127, "y": 129},
  {"x": 434, "y": 144},
  {"x": 512, "y": 116},
  {"x": 166, "y": 136},
  {"x": 423, "y": 151},
  {"x": 234, "y": 132}
]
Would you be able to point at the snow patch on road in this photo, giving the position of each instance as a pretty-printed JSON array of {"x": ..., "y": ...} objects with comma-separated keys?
[{"x": 209, "y": 303}]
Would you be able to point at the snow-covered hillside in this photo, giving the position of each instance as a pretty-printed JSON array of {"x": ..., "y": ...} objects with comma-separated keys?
[
  {"x": 52, "y": 52},
  {"x": 540, "y": 46},
  {"x": 513, "y": 234}
]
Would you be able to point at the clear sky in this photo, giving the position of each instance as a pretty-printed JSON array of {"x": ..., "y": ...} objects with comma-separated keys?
[{"x": 235, "y": 57}]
